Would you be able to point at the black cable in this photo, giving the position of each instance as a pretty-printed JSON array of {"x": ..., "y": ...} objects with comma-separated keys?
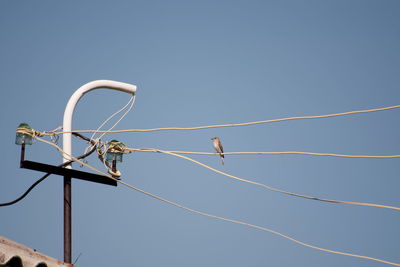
[
  {"x": 84, "y": 137},
  {"x": 48, "y": 174}
]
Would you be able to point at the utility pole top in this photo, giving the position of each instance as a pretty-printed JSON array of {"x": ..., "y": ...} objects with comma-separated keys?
[{"x": 67, "y": 148}]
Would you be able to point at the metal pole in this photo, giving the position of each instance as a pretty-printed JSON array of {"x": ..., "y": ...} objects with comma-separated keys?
[
  {"x": 67, "y": 220},
  {"x": 67, "y": 147},
  {"x": 22, "y": 155}
]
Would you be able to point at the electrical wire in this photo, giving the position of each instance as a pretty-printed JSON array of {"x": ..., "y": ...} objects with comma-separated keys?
[
  {"x": 238, "y": 124},
  {"x": 219, "y": 217},
  {"x": 260, "y": 184},
  {"x": 45, "y": 176},
  {"x": 131, "y": 102},
  {"x": 273, "y": 153},
  {"x": 27, "y": 191},
  {"x": 273, "y": 188}
]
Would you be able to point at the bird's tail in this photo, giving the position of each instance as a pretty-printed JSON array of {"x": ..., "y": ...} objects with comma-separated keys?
[{"x": 222, "y": 159}]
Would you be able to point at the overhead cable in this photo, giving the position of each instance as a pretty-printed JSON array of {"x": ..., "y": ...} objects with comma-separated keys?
[
  {"x": 219, "y": 217},
  {"x": 273, "y": 188},
  {"x": 261, "y": 184},
  {"x": 273, "y": 153},
  {"x": 237, "y": 124},
  {"x": 131, "y": 102}
]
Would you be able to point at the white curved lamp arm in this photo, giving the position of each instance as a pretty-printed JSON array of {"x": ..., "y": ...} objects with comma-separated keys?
[{"x": 69, "y": 109}]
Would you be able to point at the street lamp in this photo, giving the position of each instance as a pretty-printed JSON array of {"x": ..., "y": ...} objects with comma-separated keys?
[{"x": 67, "y": 147}]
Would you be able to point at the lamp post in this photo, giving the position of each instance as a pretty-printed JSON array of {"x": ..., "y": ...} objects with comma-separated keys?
[{"x": 67, "y": 147}]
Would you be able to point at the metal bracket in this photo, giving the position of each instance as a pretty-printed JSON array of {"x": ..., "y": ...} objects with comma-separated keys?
[{"x": 87, "y": 176}]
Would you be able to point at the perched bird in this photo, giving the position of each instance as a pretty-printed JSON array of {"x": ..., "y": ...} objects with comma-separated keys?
[{"x": 218, "y": 147}]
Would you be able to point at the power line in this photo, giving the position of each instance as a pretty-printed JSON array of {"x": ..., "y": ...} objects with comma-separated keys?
[
  {"x": 273, "y": 188},
  {"x": 36, "y": 134},
  {"x": 94, "y": 141},
  {"x": 27, "y": 191},
  {"x": 235, "y": 124},
  {"x": 44, "y": 177},
  {"x": 252, "y": 182},
  {"x": 131, "y": 102},
  {"x": 271, "y": 153},
  {"x": 219, "y": 217}
]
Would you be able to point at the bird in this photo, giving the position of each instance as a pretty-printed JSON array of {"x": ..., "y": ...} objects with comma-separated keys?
[{"x": 218, "y": 147}]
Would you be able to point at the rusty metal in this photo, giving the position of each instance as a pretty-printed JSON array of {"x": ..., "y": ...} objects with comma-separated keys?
[
  {"x": 22, "y": 155},
  {"x": 87, "y": 176},
  {"x": 67, "y": 220}
]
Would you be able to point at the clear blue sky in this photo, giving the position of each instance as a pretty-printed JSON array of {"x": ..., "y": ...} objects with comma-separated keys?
[{"x": 201, "y": 63}]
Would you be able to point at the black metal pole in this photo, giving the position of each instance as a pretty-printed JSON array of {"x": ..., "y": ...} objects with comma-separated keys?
[
  {"x": 22, "y": 155},
  {"x": 67, "y": 220},
  {"x": 114, "y": 165}
]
